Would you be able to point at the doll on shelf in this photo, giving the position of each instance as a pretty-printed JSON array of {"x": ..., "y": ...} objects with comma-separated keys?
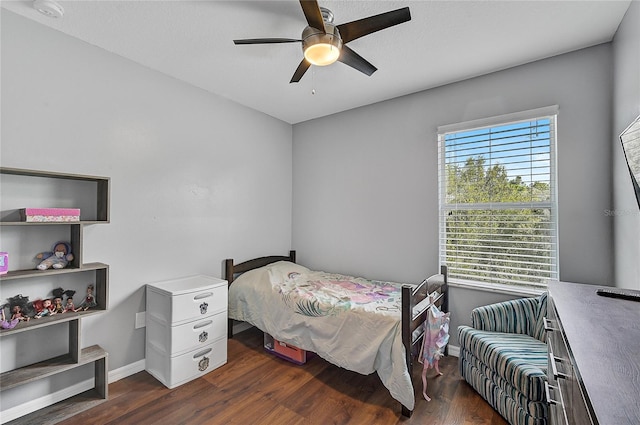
[
  {"x": 43, "y": 308},
  {"x": 89, "y": 300},
  {"x": 58, "y": 258},
  {"x": 18, "y": 313},
  {"x": 19, "y": 307},
  {"x": 58, "y": 294},
  {"x": 68, "y": 306},
  {"x": 4, "y": 323},
  {"x": 57, "y": 305}
]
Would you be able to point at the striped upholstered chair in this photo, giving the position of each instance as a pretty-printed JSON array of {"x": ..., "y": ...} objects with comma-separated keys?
[{"x": 503, "y": 356}]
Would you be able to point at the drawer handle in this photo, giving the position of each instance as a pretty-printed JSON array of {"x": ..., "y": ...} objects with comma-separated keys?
[
  {"x": 202, "y": 353},
  {"x": 201, "y": 296},
  {"x": 547, "y": 325},
  {"x": 202, "y": 324},
  {"x": 554, "y": 369},
  {"x": 547, "y": 392}
]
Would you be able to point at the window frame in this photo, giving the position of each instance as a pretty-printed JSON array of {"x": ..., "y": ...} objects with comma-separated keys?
[{"x": 443, "y": 208}]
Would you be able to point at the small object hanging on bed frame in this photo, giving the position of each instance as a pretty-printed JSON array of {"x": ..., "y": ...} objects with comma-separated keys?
[
  {"x": 285, "y": 351},
  {"x": 436, "y": 336}
]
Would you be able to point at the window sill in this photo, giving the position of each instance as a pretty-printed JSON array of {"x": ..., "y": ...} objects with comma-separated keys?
[{"x": 497, "y": 289}]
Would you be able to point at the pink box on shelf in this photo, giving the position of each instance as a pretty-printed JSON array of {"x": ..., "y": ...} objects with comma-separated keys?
[{"x": 43, "y": 215}]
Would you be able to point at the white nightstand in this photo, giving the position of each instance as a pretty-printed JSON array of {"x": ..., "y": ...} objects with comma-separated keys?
[{"x": 186, "y": 324}]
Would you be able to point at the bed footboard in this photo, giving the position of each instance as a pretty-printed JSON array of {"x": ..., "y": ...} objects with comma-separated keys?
[{"x": 415, "y": 303}]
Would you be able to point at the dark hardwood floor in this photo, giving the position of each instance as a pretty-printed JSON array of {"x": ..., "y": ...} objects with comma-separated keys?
[{"x": 255, "y": 387}]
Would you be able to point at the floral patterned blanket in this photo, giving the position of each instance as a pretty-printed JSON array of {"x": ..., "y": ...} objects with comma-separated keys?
[{"x": 351, "y": 322}]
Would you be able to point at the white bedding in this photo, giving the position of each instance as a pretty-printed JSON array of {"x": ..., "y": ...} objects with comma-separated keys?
[{"x": 351, "y": 322}]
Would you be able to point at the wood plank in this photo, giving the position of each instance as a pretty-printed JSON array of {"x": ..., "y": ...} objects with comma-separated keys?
[
  {"x": 49, "y": 321},
  {"x": 60, "y": 411},
  {"x": 50, "y": 174},
  {"x": 29, "y": 273},
  {"x": 34, "y": 372}
]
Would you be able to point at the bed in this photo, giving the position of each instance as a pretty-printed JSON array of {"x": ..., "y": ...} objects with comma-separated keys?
[{"x": 358, "y": 324}]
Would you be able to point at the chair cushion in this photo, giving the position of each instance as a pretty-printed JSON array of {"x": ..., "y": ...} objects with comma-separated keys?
[{"x": 519, "y": 359}]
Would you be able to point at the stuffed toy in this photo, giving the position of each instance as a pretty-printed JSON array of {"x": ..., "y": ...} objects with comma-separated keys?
[{"x": 58, "y": 258}]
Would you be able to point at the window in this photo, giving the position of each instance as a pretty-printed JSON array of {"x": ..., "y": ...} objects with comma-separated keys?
[{"x": 498, "y": 206}]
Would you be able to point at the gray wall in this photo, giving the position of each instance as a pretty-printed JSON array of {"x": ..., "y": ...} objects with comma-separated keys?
[
  {"x": 192, "y": 184},
  {"x": 365, "y": 181},
  {"x": 626, "y": 107}
]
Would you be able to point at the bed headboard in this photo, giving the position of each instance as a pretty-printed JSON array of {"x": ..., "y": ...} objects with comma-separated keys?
[{"x": 232, "y": 270}]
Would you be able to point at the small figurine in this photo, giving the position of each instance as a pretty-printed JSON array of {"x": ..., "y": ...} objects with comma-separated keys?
[
  {"x": 58, "y": 293},
  {"x": 43, "y": 308},
  {"x": 58, "y": 259},
  {"x": 19, "y": 307},
  {"x": 17, "y": 313},
  {"x": 7, "y": 324},
  {"x": 69, "y": 305},
  {"x": 89, "y": 300},
  {"x": 57, "y": 305}
]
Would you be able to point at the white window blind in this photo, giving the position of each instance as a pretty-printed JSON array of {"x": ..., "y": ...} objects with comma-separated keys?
[{"x": 498, "y": 203}]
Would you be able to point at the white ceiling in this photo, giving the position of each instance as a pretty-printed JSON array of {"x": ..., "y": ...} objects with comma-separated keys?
[{"x": 445, "y": 41}]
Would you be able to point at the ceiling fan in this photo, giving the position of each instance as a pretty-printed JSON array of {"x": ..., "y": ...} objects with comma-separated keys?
[{"x": 323, "y": 43}]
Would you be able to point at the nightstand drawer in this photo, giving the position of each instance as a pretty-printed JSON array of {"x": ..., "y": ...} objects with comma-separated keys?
[
  {"x": 182, "y": 300},
  {"x": 174, "y": 340},
  {"x": 175, "y": 371}
]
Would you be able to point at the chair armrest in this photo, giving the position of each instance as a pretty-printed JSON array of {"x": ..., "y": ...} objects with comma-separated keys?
[{"x": 514, "y": 316}]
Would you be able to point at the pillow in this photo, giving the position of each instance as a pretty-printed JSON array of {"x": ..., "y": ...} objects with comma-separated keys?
[{"x": 279, "y": 271}]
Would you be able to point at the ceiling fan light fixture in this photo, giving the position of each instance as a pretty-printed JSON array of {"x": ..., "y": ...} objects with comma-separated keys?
[
  {"x": 322, "y": 54},
  {"x": 321, "y": 48}
]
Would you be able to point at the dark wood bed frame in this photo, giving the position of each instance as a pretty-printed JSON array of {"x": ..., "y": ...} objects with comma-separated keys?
[{"x": 415, "y": 304}]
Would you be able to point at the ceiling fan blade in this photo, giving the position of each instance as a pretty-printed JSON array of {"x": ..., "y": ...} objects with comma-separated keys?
[
  {"x": 356, "y": 29},
  {"x": 354, "y": 60},
  {"x": 312, "y": 12},
  {"x": 265, "y": 40},
  {"x": 302, "y": 68}
]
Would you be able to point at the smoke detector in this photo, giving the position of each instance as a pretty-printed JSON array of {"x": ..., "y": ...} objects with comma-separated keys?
[{"x": 49, "y": 8}]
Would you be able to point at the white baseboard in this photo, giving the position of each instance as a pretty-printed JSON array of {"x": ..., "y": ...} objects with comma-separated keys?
[
  {"x": 53, "y": 398},
  {"x": 128, "y": 370},
  {"x": 453, "y": 351}
]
